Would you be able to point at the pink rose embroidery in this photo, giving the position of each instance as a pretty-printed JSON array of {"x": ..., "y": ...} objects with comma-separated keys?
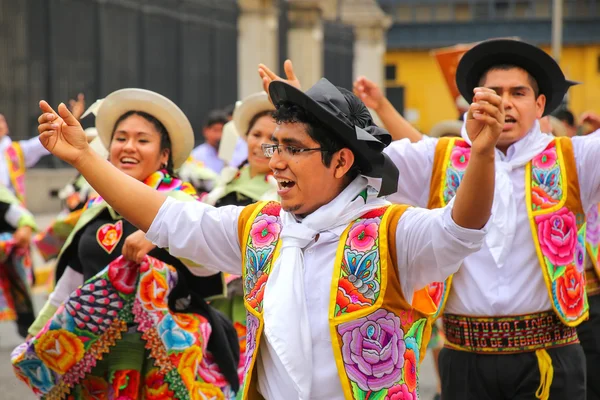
[
  {"x": 557, "y": 233},
  {"x": 264, "y": 231},
  {"x": 546, "y": 159},
  {"x": 362, "y": 235},
  {"x": 401, "y": 392},
  {"x": 460, "y": 157}
]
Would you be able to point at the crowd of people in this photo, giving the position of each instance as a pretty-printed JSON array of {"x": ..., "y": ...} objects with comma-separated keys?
[{"x": 303, "y": 252}]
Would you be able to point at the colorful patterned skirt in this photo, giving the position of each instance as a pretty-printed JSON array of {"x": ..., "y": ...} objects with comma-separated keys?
[
  {"x": 116, "y": 338},
  {"x": 16, "y": 277}
]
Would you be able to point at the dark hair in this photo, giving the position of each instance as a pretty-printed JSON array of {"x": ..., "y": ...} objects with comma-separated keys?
[
  {"x": 266, "y": 113},
  {"x": 565, "y": 116},
  {"x": 165, "y": 139},
  {"x": 359, "y": 115},
  {"x": 506, "y": 67},
  {"x": 216, "y": 117}
]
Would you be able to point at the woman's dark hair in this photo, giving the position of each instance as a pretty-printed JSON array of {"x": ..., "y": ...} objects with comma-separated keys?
[
  {"x": 359, "y": 116},
  {"x": 165, "y": 139},
  {"x": 257, "y": 117}
]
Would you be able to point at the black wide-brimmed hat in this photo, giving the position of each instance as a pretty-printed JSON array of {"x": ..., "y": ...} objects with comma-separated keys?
[
  {"x": 485, "y": 55},
  {"x": 328, "y": 105}
]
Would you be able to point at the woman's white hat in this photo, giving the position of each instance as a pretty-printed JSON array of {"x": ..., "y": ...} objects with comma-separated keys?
[
  {"x": 246, "y": 109},
  {"x": 174, "y": 120}
]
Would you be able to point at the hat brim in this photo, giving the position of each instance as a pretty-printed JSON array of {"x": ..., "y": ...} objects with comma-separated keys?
[
  {"x": 485, "y": 55},
  {"x": 446, "y": 128},
  {"x": 174, "y": 120},
  {"x": 248, "y": 108},
  {"x": 281, "y": 92}
]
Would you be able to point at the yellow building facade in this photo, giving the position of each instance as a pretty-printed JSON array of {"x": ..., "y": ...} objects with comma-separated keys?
[{"x": 427, "y": 99}]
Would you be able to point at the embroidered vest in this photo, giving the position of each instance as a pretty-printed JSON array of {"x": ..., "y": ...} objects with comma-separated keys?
[
  {"x": 556, "y": 218},
  {"x": 593, "y": 237},
  {"x": 366, "y": 303},
  {"x": 15, "y": 160}
]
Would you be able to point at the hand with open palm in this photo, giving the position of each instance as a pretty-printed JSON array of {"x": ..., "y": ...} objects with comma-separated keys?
[
  {"x": 61, "y": 134},
  {"x": 485, "y": 120},
  {"x": 269, "y": 76}
]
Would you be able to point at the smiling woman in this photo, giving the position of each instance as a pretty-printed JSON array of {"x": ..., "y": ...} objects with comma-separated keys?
[{"x": 101, "y": 295}]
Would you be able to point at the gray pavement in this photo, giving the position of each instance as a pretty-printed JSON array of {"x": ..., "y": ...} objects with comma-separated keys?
[{"x": 13, "y": 389}]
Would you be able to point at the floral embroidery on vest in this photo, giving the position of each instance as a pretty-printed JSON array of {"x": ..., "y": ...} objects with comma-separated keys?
[
  {"x": 360, "y": 279},
  {"x": 260, "y": 246},
  {"x": 455, "y": 169},
  {"x": 381, "y": 359},
  {"x": 558, "y": 231}
]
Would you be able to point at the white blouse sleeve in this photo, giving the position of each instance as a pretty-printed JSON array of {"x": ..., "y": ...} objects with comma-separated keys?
[
  {"x": 67, "y": 284},
  {"x": 198, "y": 232},
  {"x": 587, "y": 152}
]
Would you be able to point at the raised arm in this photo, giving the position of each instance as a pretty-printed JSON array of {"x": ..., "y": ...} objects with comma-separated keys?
[
  {"x": 485, "y": 120},
  {"x": 64, "y": 137},
  {"x": 395, "y": 123}
]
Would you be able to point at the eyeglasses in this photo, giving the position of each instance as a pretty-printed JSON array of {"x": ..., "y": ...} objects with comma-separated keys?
[{"x": 287, "y": 151}]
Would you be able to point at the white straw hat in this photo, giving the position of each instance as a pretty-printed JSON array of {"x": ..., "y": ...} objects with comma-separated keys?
[
  {"x": 247, "y": 109},
  {"x": 174, "y": 120}
]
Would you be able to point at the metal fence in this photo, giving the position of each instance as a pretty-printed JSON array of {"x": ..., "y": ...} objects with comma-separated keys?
[
  {"x": 54, "y": 49},
  {"x": 338, "y": 46}
]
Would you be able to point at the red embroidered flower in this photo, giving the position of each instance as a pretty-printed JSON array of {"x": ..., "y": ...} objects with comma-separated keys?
[
  {"x": 570, "y": 291},
  {"x": 378, "y": 212},
  {"x": 460, "y": 157},
  {"x": 349, "y": 298},
  {"x": 258, "y": 292},
  {"x": 264, "y": 231},
  {"x": 436, "y": 292},
  {"x": 557, "y": 233},
  {"x": 155, "y": 387},
  {"x": 123, "y": 275},
  {"x": 272, "y": 208},
  {"x": 126, "y": 384},
  {"x": 410, "y": 370},
  {"x": 541, "y": 199}
]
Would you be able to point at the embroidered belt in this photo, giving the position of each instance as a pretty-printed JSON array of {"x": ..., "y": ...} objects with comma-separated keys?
[
  {"x": 516, "y": 334},
  {"x": 592, "y": 283}
]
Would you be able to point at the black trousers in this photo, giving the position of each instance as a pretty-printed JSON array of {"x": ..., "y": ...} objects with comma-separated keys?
[
  {"x": 470, "y": 376},
  {"x": 589, "y": 335}
]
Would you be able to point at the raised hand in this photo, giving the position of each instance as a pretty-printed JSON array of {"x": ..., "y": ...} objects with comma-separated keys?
[
  {"x": 368, "y": 92},
  {"x": 77, "y": 106},
  {"x": 269, "y": 76},
  {"x": 61, "y": 134},
  {"x": 591, "y": 119},
  {"x": 485, "y": 120}
]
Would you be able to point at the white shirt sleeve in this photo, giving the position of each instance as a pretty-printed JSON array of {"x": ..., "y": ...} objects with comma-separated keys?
[
  {"x": 14, "y": 214},
  {"x": 67, "y": 284},
  {"x": 201, "y": 233},
  {"x": 33, "y": 150},
  {"x": 587, "y": 153},
  {"x": 415, "y": 163},
  {"x": 431, "y": 247}
]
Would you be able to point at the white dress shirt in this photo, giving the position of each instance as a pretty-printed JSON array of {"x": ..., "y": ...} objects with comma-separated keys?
[
  {"x": 482, "y": 288},
  {"x": 430, "y": 247},
  {"x": 33, "y": 150}
]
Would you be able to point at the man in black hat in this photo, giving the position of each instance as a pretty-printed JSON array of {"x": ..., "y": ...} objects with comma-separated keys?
[
  {"x": 331, "y": 274},
  {"x": 510, "y": 312}
]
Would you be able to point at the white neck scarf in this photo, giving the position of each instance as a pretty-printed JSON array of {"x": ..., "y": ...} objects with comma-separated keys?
[
  {"x": 287, "y": 326},
  {"x": 504, "y": 209}
]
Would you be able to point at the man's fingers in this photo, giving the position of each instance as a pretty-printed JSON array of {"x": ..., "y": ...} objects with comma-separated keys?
[
  {"x": 46, "y": 117},
  {"x": 66, "y": 115},
  {"x": 47, "y": 127},
  {"x": 289, "y": 70},
  {"x": 45, "y": 107},
  {"x": 490, "y": 97},
  {"x": 488, "y": 109},
  {"x": 267, "y": 71},
  {"x": 486, "y": 119}
]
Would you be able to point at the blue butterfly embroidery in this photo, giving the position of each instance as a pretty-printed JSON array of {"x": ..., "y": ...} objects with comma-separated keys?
[
  {"x": 255, "y": 263},
  {"x": 549, "y": 181},
  {"x": 361, "y": 269}
]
